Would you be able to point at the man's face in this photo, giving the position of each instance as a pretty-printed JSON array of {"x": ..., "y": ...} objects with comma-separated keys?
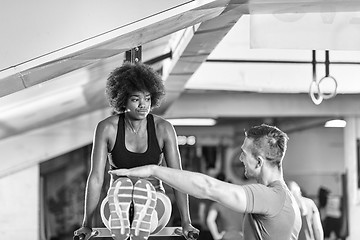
[{"x": 246, "y": 157}]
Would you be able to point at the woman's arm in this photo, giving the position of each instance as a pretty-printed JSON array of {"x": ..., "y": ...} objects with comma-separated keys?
[
  {"x": 96, "y": 176},
  {"x": 173, "y": 160}
]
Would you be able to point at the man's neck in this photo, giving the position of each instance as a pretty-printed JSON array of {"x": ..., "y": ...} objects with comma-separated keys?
[{"x": 270, "y": 175}]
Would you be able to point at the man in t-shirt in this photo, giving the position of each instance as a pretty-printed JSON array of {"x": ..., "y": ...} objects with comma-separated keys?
[{"x": 271, "y": 212}]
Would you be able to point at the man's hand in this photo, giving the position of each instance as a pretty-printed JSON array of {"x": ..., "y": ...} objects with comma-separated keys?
[{"x": 141, "y": 172}]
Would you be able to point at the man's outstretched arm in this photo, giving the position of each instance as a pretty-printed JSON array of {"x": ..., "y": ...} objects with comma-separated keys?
[{"x": 195, "y": 184}]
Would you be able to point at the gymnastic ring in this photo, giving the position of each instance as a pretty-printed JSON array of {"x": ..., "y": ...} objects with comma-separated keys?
[
  {"x": 316, "y": 100},
  {"x": 328, "y": 95}
]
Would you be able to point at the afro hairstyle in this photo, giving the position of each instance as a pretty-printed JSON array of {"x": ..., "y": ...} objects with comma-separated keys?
[{"x": 132, "y": 77}]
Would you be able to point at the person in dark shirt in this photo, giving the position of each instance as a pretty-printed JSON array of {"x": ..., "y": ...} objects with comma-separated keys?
[
  {"x": 271, "y": 212},
  {"x": 223, "y": 222},
  {"x": 134, "y": 137}
]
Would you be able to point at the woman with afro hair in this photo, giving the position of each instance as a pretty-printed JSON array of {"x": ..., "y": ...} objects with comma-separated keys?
[{"x": 133, "y": 137}]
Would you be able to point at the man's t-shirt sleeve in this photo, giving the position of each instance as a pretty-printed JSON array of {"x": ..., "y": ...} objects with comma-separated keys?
[{"x": 262, "y": 199}]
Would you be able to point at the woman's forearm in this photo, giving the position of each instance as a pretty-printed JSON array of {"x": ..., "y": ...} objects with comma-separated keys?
[
  {"x": 182, "y": 202},
  {"x": 92, "y": 195}
]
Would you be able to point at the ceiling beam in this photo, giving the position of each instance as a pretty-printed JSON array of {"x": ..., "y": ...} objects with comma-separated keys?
[
  {"x": 83, "y": 53},
  {"x": 206, "y": 36},
  {"x": 237, "y": 104}
]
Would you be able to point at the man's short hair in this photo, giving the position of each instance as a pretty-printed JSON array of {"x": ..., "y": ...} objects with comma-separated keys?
[{"x": 269, "y": 141}]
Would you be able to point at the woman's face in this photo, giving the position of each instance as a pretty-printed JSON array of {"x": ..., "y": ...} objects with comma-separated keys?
[{"x": 138, "y": 105}]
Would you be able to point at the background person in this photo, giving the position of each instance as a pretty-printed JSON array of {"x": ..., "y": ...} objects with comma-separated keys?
[
  {"x": 311, "y": 228},
  {"x": 224, "y": 223},
  {"x": 333, "y": 220}
]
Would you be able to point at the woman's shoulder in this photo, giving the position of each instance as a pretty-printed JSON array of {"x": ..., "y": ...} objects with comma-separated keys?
[
  {"x": 163, "y": 127},
  {"x": 161, "y": 122},
  {"x": 108, "y": 123}
]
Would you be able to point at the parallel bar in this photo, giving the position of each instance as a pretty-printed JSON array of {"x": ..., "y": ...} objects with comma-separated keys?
[{"x": 167, "y": 231}]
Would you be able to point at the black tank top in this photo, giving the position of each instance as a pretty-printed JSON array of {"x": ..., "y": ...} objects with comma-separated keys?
[{"x": 120, "y": 157}]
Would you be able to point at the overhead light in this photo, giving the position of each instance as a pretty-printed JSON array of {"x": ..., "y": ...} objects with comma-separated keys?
[
  {"x": 335, "y": 123},
  {"x": 189, "y": 140},
  {"x": 192, "y": 121}
]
